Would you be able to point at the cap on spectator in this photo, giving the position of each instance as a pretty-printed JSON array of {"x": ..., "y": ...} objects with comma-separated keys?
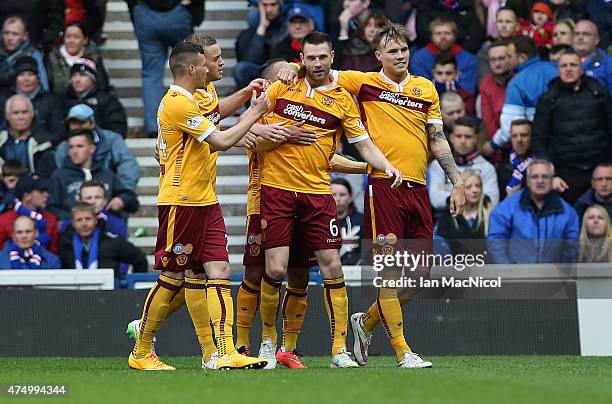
[
  {"x": 82, "y": 112},
  {"x": 298, "y": 12},
  {"x": 26, "y": 64},
  {"x": 28, "y": 183},
  {"x": 85, "y": 66},
  {"x": 544, "y": 8}
]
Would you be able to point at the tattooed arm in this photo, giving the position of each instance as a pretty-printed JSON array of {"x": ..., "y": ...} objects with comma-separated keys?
[{"x": 441, "y": 150}]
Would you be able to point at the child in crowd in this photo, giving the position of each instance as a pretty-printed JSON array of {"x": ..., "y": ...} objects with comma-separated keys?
[
  {"x": 12, "y": 170},
  {"x": 540, "y": 26},
  {"x": 445, "y": 78}
]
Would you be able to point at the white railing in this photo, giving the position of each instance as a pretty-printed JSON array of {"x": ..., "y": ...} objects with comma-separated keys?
[{"x": 99, "y": 279}]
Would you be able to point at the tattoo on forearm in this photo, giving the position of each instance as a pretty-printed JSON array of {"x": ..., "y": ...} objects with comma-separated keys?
[
  {"x": 437, "y": 135},
  {"x": 447, "y": 162}
]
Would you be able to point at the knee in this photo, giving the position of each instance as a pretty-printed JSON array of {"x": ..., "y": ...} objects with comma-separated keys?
[
  {"x": 254, "y": 273},
  {"x": 276, "y": 272}
]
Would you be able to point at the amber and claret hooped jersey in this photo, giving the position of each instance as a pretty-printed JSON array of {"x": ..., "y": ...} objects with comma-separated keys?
[
  {"x": 328, "y": 111},
  {"x": 209, "y": 107},
  {"x": 184, "y": 156},
  {"x": 396, "y": 116},
  {"x": 255, "y": 167}
]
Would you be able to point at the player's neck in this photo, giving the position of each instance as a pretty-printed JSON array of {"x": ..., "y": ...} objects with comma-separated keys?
[
  {"x": 398, "y": 78},
  {"x": 186, "y": 85},
  {"x": 315, "y": 84}
]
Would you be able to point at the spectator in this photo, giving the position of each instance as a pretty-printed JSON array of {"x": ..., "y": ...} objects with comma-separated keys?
[
  {"x": 345, "y": 18},
  {"x": 569, "y": 9},
  {"x": 66, "y": 181},
  {"x": 44, "y": 19},
  {"x": 16, "y": 43},
  {"x": 87, "y": 245},
  {"x": 506, "y": 23},
  {"x": 461, "y": 13},
  {"x": 94, "y": 193},
  {"x": 445, "y": 78},
  {"x": 32, "y": 196},
  {"x": 159, "y": 25},
  {"x": 534, "y": 225},
  {"x": 467, "y": 233},
  {"x": 452, "y": 108},
  {"x": 12, "y": 171},
  {"x": 540, "y": 25},
  {"x": 111, "y": 150},
  {"x": 600, "y": 192},
  {"x": 90, "y": 14},
  {"x": 510, "y": 175},
  {"x": 299, "y": 24},
  {"x": 83, "y": 89},
  {"x": 48, "y": 114},
  {"x": 573, "y": 126},
  {"x": 75, "y": 45},
  {"x": 23, "y": 251},
  {"x": 523, "y": 91},
  {"x": 443, "y": 33},
  {"x": 350, "y": 222},
  {"x": 600, "y": 12},
  {"x": 596, "y": 236},
  {"x": 493, "y": 88},
  {"x": 357, "y": 53},
  {"x": 21, "y": 142},
  {"x": 253, "y": 44},
  {"x": 563, "y": 32},
  {"x": 463, "y": 140},
  {"x": 596, "y": 62}
]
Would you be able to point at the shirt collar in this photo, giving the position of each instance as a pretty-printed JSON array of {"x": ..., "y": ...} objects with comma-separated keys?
[
  {"x": 182, "y": 91},
  {"x": 398, "y": 87}
]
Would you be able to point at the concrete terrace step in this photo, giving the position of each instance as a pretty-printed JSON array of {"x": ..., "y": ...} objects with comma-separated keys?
[
  {"x": 222, "y": 161},
  {"x": 146, "y": 146},
  {"x": 226, "y": 199}
]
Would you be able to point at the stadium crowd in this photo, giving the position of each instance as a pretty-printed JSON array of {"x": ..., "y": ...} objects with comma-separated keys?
[{"x": 524, "y": 89}]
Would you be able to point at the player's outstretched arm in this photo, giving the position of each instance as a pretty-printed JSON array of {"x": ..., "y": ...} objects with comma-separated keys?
[
  {"x": 377, "y": 159},
  {"x": 231, "y": 103},
  {"x": 224, "y": 139},
  {"x": 341, "y": 164},
  {"x": 441, "y": 150}
]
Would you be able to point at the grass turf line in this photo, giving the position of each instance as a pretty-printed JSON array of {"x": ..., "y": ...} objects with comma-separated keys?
[{"x": 454, "y": 379}]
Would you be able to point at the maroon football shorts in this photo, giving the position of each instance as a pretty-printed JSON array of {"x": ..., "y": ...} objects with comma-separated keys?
[
  {"x": 313, "y": 216},
  {"x": 299, "y": 254},
  {"x": 397, "y": 218},
  {"x": 189, "y": 236}
]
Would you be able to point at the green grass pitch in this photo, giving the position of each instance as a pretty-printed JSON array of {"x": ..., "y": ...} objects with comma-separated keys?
[{"x": 454, "y": 379}]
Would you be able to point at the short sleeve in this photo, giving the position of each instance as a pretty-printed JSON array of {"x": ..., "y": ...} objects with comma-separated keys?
[
  {"x": 191, "y": 121},
  {"x": 273, "y": 92},
  {"x": 354, "y": 129},
  {"x": 350, "y": 80},
  {"x": 433, "y": 112}
]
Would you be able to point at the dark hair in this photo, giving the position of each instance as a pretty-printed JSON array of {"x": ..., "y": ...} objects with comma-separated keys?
[
  {"x": 204, "y": 40},
  {"x": 604, "y": 164},
  {"x": 92, "y": 184},
  {"x": 465, "y": 121},
  {"x": 570, "y": 51},
  {"x": 316, "y": 38},
  {"x": 15, "y": 17},
  {"x": 500, "y": 42},
  {"x": 13, "y": 168},
  {"x": 82, "y": 132},
  {"x": 525, "y": 46},
  {"x": 77, "y": 24},
  {"x": 390, "y": 32},
  {"x": 343, "y": 182},
  {"x": 518, "y": 122},
  {"x": 445, "y": 59},
  {"x": 380, "y": 20},
  {"x": 269, "y": 63},
  {"x": 183, "y": 54}
]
